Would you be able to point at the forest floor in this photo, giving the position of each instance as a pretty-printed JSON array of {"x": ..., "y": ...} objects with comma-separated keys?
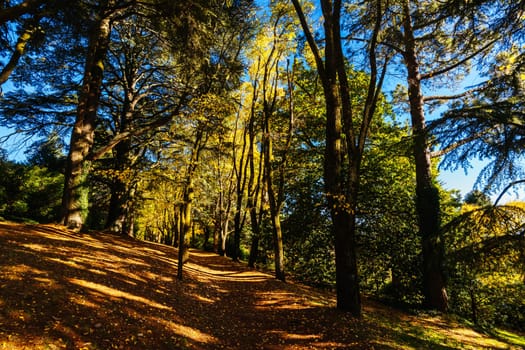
[{"x": 63, "y": 290}]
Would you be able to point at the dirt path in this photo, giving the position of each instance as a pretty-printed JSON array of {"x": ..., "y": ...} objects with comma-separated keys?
[{"x": 63, "y": 290}]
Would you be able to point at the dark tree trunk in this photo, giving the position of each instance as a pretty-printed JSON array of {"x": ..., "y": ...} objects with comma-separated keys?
[
  {"x": 341, "y": 200},
  {"x": 427, "y": 194},
  {"x": 117, "y": 207},
  {"x": 119, "y": 210},
  {"x": 186, "y": 224},
  {"x": 83, "y": 131},
  {"x": 240, "y": 186},
  {"x": 275, "y": 206},
  {"x": 254, "y": 187},
  {"x": 256, "y": 235},
  {"x": 186, "y": 218},
  {"x": 343, "y": 217},
  {"x": 237, "y": 228}
]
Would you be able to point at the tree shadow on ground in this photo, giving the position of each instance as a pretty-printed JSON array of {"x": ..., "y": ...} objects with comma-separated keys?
[{"x": 59, "y": 289}]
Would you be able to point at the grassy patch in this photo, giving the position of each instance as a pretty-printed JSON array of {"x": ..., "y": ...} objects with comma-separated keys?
[{"x": 509, "y": 337}]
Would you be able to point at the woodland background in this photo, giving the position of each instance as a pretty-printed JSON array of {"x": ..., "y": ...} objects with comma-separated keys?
[{"x": 290, "y": 134}]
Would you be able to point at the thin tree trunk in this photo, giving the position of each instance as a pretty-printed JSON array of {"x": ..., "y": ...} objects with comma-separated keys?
[
  {"x": 427, "y": 194},
  {"x": 240, "y": 186},
  {"x": 256, "y": 236},
  {"x": 83, "y": 131},
  {"x": 186, "y": 224},
  {"x": 274, "y": 206},
  {"x": 254, "y": 187},
  {"x": 254, "y": 182}
]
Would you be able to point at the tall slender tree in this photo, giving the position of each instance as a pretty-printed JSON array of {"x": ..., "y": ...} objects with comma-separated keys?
[
  {"x": 346, "y": 136},
  {"x": 436, "y": 42}
]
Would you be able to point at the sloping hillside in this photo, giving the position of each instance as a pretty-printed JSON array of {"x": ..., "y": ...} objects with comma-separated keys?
[{"x": 60, "y": 290}]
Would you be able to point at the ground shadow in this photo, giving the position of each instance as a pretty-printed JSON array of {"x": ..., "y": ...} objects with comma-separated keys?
[{"x": 59, "y": 289}]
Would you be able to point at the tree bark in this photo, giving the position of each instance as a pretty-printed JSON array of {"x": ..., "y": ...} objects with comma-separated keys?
[
  {"x": 83, "y": 131},
  {"x": 275, "y": 205},
  {"x": 427, "y": 194}
]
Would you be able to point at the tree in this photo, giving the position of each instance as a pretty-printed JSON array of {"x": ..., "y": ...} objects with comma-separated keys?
[
  {"x": 190, "y": 23},
  {"x": 31, "y": 190},
  {"x": 274, "y": 45},
  {"x": 486, "y": 263},
  {"x": 343, "y": 154},
  {"x": 477, "y": 197},
  {"x": 487, "y": 123},
  {"x": 82, "y": 135},
  {"x": 436, "y": 42},
  {"x": 142, "y": 91},
  {"x": 28, "y": 19}
]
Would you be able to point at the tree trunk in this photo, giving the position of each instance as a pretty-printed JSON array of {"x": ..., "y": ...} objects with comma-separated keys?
[
  {"x": 83, "y": 131},
  {"x": 256, "y": 235},
  {"x": 237, "y": 228},
  {"x": 275, "y": 207},
  {"x": 254, "y": 186},
  {"x": 216, "y": 232},
  {"x": 277, "y": 230},
  {"x": 224, "y": 236},
  {"x": 240, "y": 187},
  {"x": 187, "y": 201},
  {"x": 427, "y": 194},
  {"x": 121, "y": 193},
  {"x": 186, "y": 224},
  {"x": 343, "y": 217},
  {"x": 341, "y": 201}
]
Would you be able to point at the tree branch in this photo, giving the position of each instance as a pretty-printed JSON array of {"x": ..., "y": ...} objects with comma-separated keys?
[
  {"x": 14, "y": 12},
  {"x": 460, "y": 143},
  {"x": 458, "y": 63},
  {"x": 310, "y": 38},
  {"x": 506, "y": 189}
]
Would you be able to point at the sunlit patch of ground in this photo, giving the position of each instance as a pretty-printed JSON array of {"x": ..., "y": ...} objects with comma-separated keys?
[
  {"x": 115, "y": 293},
  {"x": 64, "y": 290}
]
